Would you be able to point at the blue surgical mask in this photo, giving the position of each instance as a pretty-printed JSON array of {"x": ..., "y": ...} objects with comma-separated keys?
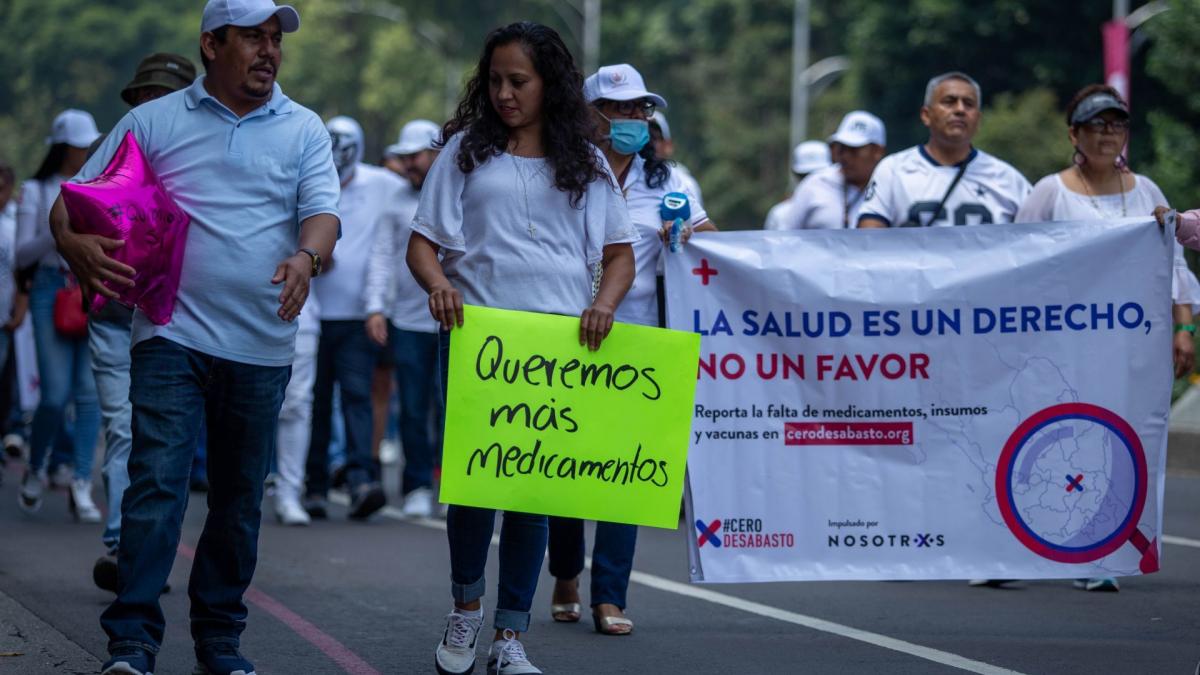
[{"x": 629, "y": 136}]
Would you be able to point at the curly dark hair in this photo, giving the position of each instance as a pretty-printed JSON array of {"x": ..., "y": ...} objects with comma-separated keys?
[
  {"x": 1088, "y": 91},
  {"x": 566, "y": 121},
  {"x": 656, "y": 169}
]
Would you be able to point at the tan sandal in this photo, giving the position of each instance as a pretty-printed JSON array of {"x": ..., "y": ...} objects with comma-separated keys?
[{"x": 567, "y": 612}]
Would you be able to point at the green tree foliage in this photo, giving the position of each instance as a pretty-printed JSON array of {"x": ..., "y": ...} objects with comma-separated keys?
[
  {"x": 1174, "y": 61},
  {"x": 725, "y": 66},
  {"x": 1028, "y": 130}
]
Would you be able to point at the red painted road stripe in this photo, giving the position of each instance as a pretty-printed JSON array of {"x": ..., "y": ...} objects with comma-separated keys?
[{"x": 336, "y": 651}]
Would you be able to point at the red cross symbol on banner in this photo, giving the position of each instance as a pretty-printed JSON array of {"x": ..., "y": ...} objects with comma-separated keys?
[{"x": 704, "y": 271}]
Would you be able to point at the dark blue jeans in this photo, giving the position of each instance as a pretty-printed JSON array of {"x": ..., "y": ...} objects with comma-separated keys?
[
  {"x": 612, "y": 557},
  {"x": 171, "y": 389},
  {"x": 347, "y": 356},
  {"x": 415, "y": 357},
  {"x": 522, "y": 548}
]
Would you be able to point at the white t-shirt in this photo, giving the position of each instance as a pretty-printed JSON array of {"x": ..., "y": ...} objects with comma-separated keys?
[
  {"x": 8, "y": 250},
  {"x": 824, "y": 201},
  {"x": 908, "y": 186},
  {"x": 641, "y": 303},
  {"x": 780, "y": 216},
  {"x": 512, "y": 239},
  {"x": 689, "y": 181},
  {"x": 367, "y": 203},
  {"x": 1052, "y": 200},
  {"x": 391, "y": 288}
]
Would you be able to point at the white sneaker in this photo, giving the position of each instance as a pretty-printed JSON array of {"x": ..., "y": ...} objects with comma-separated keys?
[
  {"x": 389, "y": 451},
  {"x": 507, "y": 657},
  {"x": 29, "y": 497},
  {"x": 456, "y": 652},
  {"x": 15, "y": 446},
  {"x": 289, "y": 512},
  {"x": 82, "y": 506},
  {"x": 418, "y": 504}
]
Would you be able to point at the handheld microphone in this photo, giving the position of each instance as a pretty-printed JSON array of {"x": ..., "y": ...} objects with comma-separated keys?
[{"x": 675, "y": 209}]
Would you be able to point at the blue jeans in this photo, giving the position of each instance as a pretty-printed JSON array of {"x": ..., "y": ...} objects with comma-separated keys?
[
  {"x": 65, "y": 372},
  {"x": 172, "y": 388},
  {"x": 415, "y": 356},
  {"x": 612, "y": 557},
  {"x": 522, "y": 548},
  {"x": 109, "y": 339},
  {"x": 346, "y": 355}
]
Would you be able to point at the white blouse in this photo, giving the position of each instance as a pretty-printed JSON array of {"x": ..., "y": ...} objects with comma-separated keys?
[
  {"x": 512, "y": 239},
  {"x": 1051, "y": 200}
]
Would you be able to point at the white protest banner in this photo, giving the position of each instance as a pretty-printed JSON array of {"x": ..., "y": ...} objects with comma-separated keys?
[{"x": 927, "y": 403}]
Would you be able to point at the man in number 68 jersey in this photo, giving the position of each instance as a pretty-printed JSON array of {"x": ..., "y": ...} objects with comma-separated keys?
[{"x": 946, "y": 181}]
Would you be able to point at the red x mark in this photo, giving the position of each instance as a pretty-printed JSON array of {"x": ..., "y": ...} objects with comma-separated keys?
[
  {"x": 704, "y": 271},
  {"x": 1075, "y": 483},
  {"x": 708, "y": 533}
]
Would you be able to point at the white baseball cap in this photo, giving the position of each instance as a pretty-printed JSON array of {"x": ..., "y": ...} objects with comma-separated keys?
[
  {"x": 859, "y": 128},
  {"x": 416, "y": 136},
  {"x": 247, "y": 13},
  {"x": 621, "y": 82},
  {"x": 76, "y": 128},
  {"x": 810, "y": 156}
]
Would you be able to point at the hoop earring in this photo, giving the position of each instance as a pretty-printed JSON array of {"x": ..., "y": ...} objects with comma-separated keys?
[
  {"x": 1120, "y": 163},
  {"x": 1078, "y": 158}
]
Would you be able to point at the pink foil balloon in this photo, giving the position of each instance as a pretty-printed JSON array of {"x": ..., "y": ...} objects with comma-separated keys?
[{"x": 128, "y": 202}]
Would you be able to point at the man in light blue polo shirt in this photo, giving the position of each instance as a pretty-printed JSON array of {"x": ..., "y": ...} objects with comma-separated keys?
[{"x": 255, "y": 173}]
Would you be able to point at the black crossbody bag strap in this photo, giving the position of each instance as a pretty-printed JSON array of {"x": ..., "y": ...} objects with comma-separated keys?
[{"x": 962, "y": 169}]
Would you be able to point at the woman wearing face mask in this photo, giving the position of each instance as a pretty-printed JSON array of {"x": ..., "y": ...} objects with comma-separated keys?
[
  {"x": 522, "y": 206},
  {"x": 1099, "y": 185},
  {"x": 622, "y": 108},
  {"x": 64, "y": 361}
]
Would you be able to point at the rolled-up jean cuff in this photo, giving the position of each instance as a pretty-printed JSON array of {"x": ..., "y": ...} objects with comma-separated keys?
[
  {"x": 218, "y": 640},
  {"x": 464, "y": 593},
  {"x": 511, "y": 619},
  {"x": 114, "y": 646}
]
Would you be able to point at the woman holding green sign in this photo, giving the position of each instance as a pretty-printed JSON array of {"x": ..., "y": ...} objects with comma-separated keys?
[
  {"x": 521, "y": 207},
  {"x": 622, "y": 107}
]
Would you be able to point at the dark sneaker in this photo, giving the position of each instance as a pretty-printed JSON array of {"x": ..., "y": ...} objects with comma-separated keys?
[
  {"x": 221, "y": 658},
  {"x": 317, "y": 507},
  {"x": 129, "y": 661},
  {"x": 368, "y": 498},
  {"x": 104, "y": 573}
]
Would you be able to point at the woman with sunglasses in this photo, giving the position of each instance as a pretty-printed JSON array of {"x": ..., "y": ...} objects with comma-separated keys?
[
  {"x": 516, "y": 212},
  {"x": 622, "y": 109},
  {"x": 1099, "y": 185}
]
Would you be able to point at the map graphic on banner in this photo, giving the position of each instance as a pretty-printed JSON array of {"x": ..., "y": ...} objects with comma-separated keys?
[{"x": 972, "y": 402}]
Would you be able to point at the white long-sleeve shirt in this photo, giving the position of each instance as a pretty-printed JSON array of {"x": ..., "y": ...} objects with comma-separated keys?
[
  {"x": 367, "y": 204},
  {"x": 391, "y": 288},
  {"x": 35, "y": 244}
]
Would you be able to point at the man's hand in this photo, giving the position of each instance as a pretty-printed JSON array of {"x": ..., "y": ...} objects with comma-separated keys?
[
  {"x": 295, "y": 274},
  {"x": 446, "y": 306},
  {"x": 87, "y": 255},
  {"x": 1184, "y": 353},
  {"x": 594, "y": 325},
  {"x": 20, "y": 308},
  {"x": 377, "y": 329}
]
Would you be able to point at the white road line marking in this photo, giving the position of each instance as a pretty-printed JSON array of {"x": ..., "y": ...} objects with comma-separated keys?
[
  {"x": 698, "y": 593},
  {"x": 1181, "y": 541}
]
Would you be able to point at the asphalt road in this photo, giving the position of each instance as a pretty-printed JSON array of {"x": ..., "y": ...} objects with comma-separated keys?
[{"x": 342, "y": 597}]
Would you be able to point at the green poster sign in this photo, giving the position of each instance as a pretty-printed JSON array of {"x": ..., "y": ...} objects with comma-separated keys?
[{"x": 537, "y": 423}]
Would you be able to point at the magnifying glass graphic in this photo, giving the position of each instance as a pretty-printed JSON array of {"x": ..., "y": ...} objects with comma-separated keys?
[{"x": 1071, "y": 485}]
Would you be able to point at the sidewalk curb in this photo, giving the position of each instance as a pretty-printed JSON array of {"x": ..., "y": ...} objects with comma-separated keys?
[{"x": 39, "y": 648}]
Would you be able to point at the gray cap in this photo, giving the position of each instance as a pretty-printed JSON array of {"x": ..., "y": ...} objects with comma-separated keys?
[{"x": 1095, "y": 104}]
